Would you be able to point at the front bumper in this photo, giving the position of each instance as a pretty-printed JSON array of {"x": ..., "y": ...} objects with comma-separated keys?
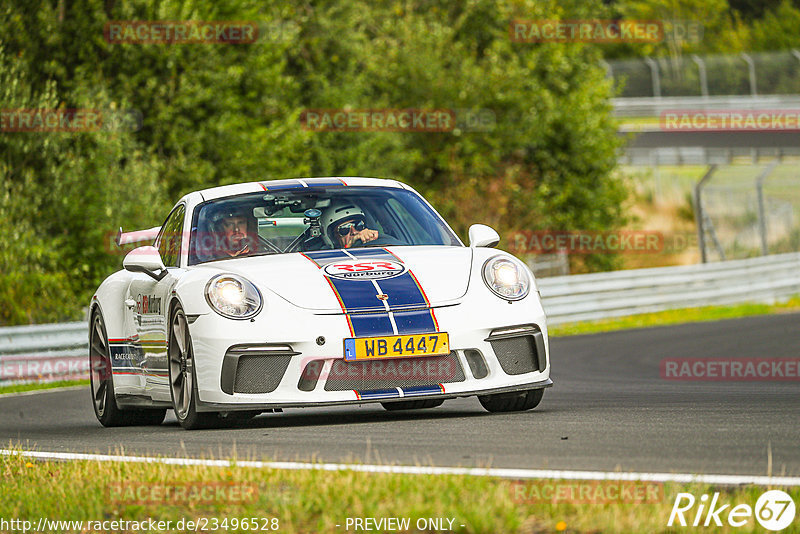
[{"x": 295, "y": 343}]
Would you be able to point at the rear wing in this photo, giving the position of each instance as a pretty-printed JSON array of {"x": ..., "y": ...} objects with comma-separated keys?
[{"x": 126, "y": 238}]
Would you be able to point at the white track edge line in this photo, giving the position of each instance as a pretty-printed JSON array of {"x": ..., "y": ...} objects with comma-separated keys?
[{"x": 510, "y": 473}]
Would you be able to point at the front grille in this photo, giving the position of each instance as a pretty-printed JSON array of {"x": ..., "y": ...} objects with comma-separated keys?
[
  {"x": 518, "y": 354},
  {"x": 394, "y": 373},
  {"x": 256, "y": 373}
]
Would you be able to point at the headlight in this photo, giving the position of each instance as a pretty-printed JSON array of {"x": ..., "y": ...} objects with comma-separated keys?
[
  {"x": 506, "y": 277},
  {"x": 233, "y": 296}
]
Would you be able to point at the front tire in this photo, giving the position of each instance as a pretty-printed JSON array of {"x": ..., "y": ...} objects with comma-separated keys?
[
  {"x": 412, "y": 404},
  {"x": 183, "y": 386},
  {"x": 101, "y": 381},
  {"x": 516, "y": 401}
]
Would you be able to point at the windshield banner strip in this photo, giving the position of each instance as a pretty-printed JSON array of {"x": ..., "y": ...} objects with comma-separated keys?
[
  {"x": 324, "y": 182},
  {"x": 277, "y": 185}
]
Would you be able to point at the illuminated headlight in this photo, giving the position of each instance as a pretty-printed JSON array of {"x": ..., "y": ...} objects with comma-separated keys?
[
  {"x": 506, "y": 277},
  {"x": 233, "y": 297}
]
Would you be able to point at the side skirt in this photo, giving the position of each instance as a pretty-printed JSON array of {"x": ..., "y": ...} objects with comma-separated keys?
[{"x": 140, "y": 401}]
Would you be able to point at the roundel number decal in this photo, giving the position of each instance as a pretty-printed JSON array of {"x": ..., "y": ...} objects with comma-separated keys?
[{"x": 364, "y": 270}]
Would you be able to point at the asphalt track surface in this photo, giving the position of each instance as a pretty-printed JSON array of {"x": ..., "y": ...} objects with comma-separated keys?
[{"x": 609, "y": 410}]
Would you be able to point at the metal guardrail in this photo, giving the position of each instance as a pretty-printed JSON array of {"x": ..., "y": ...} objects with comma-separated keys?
[
  {"x": 587, "y": 297},
  {"x": 59, "y": 351},
  {"x": 654, "y": 106},
  {"x": 699, "y": 155},
  {"x": 723, "y": 149},
  {"x": 44, "y": 352}
]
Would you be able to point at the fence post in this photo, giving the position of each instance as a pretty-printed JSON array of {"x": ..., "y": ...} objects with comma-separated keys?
[
  {"x": 698, "y": 211},
  {"x": 609, "y": 70},
  {"x": 762, "y": 214},
  {"x": 655, "y": 76},
  {"x": 751, "y": 67},
  {"x": 701, "y": 67}
]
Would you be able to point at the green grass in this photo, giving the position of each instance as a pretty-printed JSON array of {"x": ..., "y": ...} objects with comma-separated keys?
[
  {"x": 633, "y": 124},
  {"x": 685, "y": 315},
  {"x": 33, "y": 386},
  {"x": 317, "y": 501},
  {"x": 739, "y": 176}
]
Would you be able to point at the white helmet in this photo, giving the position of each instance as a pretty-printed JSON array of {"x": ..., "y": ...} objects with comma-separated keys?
[{"x": 338, "y": 211}]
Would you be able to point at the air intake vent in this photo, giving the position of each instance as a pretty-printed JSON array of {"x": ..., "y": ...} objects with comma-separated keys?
[
  {"x": 260, "y": 374},
  {"x": 254, "y": 368},
  {"x": 476, "y": 363},
  {"x": 519, "y": 350},
  {"x": 310, "y": 375}
]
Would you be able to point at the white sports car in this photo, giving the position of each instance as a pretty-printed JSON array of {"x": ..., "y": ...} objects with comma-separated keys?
[{"x": 312, "y": 292}]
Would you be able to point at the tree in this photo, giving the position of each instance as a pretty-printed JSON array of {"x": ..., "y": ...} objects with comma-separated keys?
[{"x": 216, "y": 113}]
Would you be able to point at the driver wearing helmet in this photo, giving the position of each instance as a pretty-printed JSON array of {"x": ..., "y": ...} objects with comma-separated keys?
[
  {"x": 233, "y": 228},
  {"x": 344, "y": 225}
]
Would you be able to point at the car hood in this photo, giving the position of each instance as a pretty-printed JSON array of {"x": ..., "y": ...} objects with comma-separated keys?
[{"x": 323, "y": 281}]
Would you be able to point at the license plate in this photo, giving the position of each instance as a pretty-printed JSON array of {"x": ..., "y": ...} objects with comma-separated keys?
[{"x": 414, "y": 345}]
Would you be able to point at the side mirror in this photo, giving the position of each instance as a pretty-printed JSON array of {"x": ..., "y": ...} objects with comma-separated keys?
[
  {"x": 145, "y": 260},
  {"x": 481, "y": 235}
]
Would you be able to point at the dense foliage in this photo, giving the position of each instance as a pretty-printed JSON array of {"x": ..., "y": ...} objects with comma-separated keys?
[
  {"x": 727, "y": 27},
  {"x": 221, "y": 113}
]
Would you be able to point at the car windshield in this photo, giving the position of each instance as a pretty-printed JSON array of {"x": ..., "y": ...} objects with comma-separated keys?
[{"x": 280, "y": 222}]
